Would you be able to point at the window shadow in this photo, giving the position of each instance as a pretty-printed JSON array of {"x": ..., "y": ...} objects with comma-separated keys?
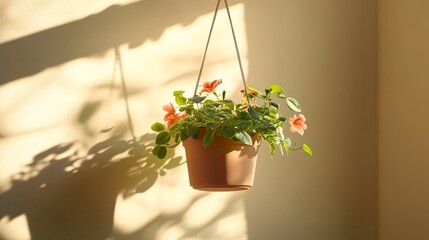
[
  {"x": 66, "y": 193},
  {"x": 130, "y": 24}
]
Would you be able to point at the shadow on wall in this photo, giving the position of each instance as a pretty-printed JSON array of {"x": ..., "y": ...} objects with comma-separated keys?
[
  {"x": 130, "y": 24},
  {"x": 69, "y": 195},
  {"x": 204, "y": 231}
]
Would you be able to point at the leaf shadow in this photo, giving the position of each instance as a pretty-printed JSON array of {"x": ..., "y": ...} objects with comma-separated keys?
[{"x": 67, "y": 193}]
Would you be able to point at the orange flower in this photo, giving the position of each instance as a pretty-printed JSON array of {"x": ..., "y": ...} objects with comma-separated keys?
[
  {"x": 170, "y": 111},
  {"x": 210, "y": 86},
  {"x": 171, "y": 116},
  {"x": 297, "y": 124}
]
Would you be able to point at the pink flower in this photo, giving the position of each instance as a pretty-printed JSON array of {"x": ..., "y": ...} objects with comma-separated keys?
[
  {"x": 210, "y": 86},
  {"x": 170, "y": 111},
  {"x": 297, "y": 124},
  {"x": 171, "y": 116}
]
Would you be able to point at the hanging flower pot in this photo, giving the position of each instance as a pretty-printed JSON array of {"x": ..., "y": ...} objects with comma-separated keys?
[
  {"x": 221, "y": 137},
  {"x": 224, "y": 165}
]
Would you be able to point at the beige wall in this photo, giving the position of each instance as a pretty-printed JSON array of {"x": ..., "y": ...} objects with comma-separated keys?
[
  {"x": 325, "y": 54},
  {"x": 331, "y": 55},
  {"x": 403, "y": 119}
]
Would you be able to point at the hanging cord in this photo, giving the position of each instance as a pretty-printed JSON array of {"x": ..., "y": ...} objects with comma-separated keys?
[
  {"x": 235, "y": 44},
  {"x": 236, "y": 47},
  {"x": 207, "y": 46},
  {"x": 107, "y": 113},
  {"x": 125, "y": 92}
]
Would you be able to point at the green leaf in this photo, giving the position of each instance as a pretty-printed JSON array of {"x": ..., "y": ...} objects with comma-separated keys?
[
  {"x": 274, "y": 105},
  {"x": 307, "y": 149},
  {"x": 159, "y": 151},
  {"x": 245, "y": 124},
  {"x": 249, "y": 96},
  {"x": 177, "y": 138},
  {"x": 253, "y": 112},
  {"x": 157, "y": 127},
  {"x": 208, "y": 138},
  {"x": 190, "y": 111},
  {"x": 178, "y": 93},
  {"x": 288, "y": 142},
  {"x": 209, "y": 102},
  {"x": 252, "y": 89},
  {"x": 210, "y": 112},
  {"x": 293, "y": 104},
  {"x": 185, "y": 108},
  {"x": 230, "y": 104},
  {"x": 155, "y": 150},
  {"x": 180, "y": 100},
  {"x": 272, "y": 127},
  {"x": 194, "y": 132},
  {"x": 162, "y": 152},
  {"x": 183, "y": 136},
  {"x": 162, "y": 138},
  {"x": 280, "y": 95},
  {"x": 223, "y": 95},
  {"x": 276, "y": 89},
  {"x": 244, "y": 137},
  {"x": 227, "y": 131},
  {"x": 255, "y": 90},
  {"x": 282, "y": 119},
  {"x": 198, "y": 99},
  {"x": 286, "y": 148},
  {"x": 273, "y": 112},
  {"x": 272, "y": 147}
]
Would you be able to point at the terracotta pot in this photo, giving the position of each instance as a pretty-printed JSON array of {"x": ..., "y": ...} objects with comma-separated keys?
[{"x": 225, "y": 165}]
